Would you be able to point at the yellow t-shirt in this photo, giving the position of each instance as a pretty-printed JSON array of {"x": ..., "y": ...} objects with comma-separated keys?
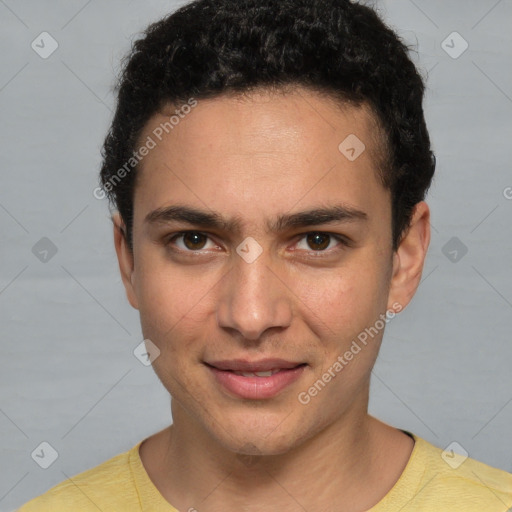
[{"x": 428, "y": 483}]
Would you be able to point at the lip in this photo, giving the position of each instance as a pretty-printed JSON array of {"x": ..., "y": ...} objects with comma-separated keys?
[
  {"x": 263, "y": 365},
  {"x": 255, "y": 388}
]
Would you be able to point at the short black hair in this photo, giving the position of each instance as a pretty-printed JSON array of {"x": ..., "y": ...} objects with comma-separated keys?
[{"x": 208, "y": 48}]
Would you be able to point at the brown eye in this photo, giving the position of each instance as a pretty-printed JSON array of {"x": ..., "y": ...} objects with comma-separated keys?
[
  {"x": 318, "y": 241},
  {"x": 194, "y": 241}
]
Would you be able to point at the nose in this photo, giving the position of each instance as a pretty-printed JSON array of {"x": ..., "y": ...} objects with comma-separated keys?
[{"x": 253, "y": 299}]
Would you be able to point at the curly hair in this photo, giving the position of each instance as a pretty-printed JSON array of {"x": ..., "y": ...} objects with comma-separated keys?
[{"x": 212, "y": 47}]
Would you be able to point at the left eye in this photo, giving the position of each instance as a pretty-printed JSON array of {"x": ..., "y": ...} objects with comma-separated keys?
[{"x": 318, "y": 241}]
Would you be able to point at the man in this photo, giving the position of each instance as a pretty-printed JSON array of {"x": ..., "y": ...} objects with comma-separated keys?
[{"x": 269, "y": 163}]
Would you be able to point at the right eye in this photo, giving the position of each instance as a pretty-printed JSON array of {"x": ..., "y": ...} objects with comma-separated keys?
[{"x": 190, "y": 241}]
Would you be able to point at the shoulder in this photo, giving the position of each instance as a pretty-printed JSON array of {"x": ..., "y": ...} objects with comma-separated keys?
[
  {"x": 109, "y": 486},
  {"x": 450, "y": 479}
]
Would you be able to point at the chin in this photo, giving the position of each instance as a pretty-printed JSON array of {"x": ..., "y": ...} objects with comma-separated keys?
[{"x": 261, "y": 434}]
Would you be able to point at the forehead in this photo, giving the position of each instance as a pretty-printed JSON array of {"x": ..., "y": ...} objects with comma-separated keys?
[{"x": 259, "y": 152}]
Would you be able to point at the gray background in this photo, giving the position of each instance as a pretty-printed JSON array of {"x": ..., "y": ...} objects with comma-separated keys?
[{"x": 67, "y": 372}]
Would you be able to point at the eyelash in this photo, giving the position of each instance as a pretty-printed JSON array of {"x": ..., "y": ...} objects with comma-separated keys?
[{"x": 344, "y": 242}]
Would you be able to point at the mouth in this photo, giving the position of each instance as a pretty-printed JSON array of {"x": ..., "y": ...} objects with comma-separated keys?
[{"x": 255, "y": 380}]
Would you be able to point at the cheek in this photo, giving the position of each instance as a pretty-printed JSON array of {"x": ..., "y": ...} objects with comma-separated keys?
[
  {"x": 344, "y": 302},
  {"x": 345, "y": 307},
  {"x": 173, "y": 316},
  {"x": 170, "y": 296}
]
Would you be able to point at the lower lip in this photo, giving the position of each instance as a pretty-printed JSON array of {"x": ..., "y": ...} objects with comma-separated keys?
[{"x": 256, "y": 388}]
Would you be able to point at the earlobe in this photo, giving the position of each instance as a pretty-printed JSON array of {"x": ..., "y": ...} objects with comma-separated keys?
[
  {"x": 125, "y": 259},
  {"x": 409, "y": 258}
]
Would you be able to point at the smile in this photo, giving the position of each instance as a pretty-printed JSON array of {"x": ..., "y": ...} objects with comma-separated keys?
[{"x": 255, "y": 381}]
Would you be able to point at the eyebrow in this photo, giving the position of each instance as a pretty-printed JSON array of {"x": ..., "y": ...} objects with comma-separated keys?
[{"x": 212, "y": 220}]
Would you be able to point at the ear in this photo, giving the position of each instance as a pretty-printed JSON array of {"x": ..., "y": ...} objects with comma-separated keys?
[
  {"x": 409, "y": 258},
  {"x": 125, "y": 259}
]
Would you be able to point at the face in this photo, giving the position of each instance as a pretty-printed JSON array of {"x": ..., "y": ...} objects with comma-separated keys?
[{"x": 259, "y": 246}]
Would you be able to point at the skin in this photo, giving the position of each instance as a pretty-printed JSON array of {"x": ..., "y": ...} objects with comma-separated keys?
[{"x": 254, "y": 158}]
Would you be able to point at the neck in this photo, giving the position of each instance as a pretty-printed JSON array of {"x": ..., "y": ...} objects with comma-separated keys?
[{"x": 355, "y": 460}]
